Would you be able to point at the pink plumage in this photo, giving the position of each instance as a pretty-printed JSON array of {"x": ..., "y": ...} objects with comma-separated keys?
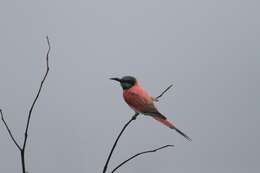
[{"x": 140, "y": 101}]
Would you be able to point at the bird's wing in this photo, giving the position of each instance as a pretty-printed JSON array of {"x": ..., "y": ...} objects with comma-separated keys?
[{"x": 142, "y": 104}]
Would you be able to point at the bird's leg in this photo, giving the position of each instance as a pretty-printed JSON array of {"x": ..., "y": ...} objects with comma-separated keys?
[{"x": 135, "y": 116}]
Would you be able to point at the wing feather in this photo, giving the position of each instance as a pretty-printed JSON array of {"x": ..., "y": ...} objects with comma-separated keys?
[{"x": 142, "y": 104}]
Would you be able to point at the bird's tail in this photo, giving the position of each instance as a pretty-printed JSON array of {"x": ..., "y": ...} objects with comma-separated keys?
[{"x": 170, "y": 125}]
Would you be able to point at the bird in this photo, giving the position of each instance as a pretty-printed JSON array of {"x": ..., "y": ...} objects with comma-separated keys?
[{"x": 141, "y": 102}]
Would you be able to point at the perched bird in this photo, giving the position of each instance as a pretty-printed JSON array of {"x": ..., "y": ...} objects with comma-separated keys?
[{"x": 141, "y": 102}]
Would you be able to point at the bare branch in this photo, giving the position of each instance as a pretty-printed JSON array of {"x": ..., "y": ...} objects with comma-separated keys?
[
  {"x": 38, "y": 93},
  {"x": 22, "y": 149},
  {"x": 121, "y": 132},
  {"x": 9, "y": 131},
  {"x": 115, "y": 143},
  {"x": 138, "y": 154},
  {"x": 157, "y": 98}
]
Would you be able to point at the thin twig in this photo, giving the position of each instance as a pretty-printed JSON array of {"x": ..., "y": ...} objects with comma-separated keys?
[
  {"x": 138, "y": 154},
  {"x": 9, "y": 131},
  {"x": 125, "y": 126},
  {"x": 38, "y": 93},
  {"x": 114, "y": 146},
  {"x": 156, "y": 98},
  {"x": 32, "y": 106}
]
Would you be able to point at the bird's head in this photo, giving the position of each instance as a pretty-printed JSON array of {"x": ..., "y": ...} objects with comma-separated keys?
[{"x": 126, "y": 82}]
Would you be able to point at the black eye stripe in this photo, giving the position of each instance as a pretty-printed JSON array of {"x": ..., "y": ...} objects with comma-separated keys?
[{"x": 129, "y": 81}]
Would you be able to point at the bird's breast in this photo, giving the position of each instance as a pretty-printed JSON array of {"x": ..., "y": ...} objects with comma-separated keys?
[{"x": 137, "y": 98}]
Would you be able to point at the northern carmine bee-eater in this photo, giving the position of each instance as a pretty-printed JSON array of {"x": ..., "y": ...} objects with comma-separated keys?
[{"x": 141, "y": 102}]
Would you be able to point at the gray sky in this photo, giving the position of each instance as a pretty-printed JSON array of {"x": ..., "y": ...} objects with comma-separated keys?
[{"x": 209, "y": 50}]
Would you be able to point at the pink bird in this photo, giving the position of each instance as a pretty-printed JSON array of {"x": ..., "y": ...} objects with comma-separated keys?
[{"x": 141, "y": 102}]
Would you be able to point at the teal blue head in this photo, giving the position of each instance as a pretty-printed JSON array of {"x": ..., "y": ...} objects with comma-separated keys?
[{"x": 126, "y": 82}]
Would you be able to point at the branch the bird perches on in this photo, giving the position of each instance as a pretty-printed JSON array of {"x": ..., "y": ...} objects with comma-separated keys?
[
  {"x": 121, "y": 132},
  {"x": 22, "y": 148}
]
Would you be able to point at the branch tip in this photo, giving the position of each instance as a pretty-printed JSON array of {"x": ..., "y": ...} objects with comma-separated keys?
[
  {"x": 138, "y": 154},
  {"x": 9, "y": 131},
  {"x": 157, "y": 98}
]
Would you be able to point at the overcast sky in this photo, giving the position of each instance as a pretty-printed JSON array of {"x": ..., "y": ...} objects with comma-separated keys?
[{"x": 208, "y": 49}]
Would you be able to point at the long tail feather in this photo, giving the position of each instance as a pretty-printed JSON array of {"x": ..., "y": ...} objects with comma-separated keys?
[
  {"x": 164, "y": 121},
  {"x": 183, "y": 134},
  {"x": 170, "y": 125}
]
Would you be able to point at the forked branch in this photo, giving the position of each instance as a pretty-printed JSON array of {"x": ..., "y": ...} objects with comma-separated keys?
[{"x": 22, "y": 148}]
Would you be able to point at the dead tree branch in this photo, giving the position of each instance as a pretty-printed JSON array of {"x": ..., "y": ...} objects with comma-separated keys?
[
  {"x": 9, "y": 131},
  {"x": 123, "y": 129},
  {"x": 114, "y": 146},
  {"x": 38, "y": 93},
  {"x": 138, "y": 154},
  {"x": 22, "y": 148},
  {"x": 157, "y": 98}
]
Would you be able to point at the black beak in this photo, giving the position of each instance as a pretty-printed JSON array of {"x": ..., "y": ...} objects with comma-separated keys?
[{"x": 116, "y": 79}]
